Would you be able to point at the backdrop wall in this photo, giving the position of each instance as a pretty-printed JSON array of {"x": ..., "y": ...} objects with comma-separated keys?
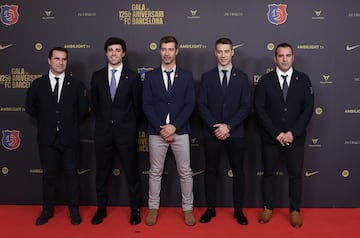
[{"x": 326, "y": 40}]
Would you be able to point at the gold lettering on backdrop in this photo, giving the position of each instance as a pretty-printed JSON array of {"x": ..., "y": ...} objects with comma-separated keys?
[
  {"x": 143, "y": 145},
  {"x": 141, "y": 15},
  {"x": 18, "y": 78}
]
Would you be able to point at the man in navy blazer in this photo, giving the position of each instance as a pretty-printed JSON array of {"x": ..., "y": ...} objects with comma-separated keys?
[
  {"x": 284, "y": 103},
  {"x": 116, "y": 103},
  {"x": 224, "y": 104},
  {"x": 58, "y": 102},
  {"x": 168, "y": 102}
]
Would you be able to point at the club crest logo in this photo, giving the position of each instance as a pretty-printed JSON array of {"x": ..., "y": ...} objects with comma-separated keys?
[
  {"x": 9, "y": 14},
  {"x": 11, "y": 139},
  {"x": 277, "y": 13}
]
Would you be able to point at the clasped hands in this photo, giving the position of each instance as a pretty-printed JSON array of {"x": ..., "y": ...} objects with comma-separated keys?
[
  {"x": 167, "y": 132},
  {"x": 222, "y": 131},
  {"x": 285, "y": 138}
]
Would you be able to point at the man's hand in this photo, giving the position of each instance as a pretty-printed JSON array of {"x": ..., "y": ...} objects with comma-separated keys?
[
  {"x": 221, "y": 131},
  {"x": 167, "y": 132}
]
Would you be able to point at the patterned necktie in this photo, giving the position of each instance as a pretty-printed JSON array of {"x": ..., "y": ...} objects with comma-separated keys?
[
  {"x": 285, "y": 86},
  {"x": 56, "y": 89},
  {"x": 224, "y": 82},
  {"x": 169, "y": 81},
  {"x": 113, "y": 84}
]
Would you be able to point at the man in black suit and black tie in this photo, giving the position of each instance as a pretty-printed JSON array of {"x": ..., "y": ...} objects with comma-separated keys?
[
  {"x": 58, "y": 102},
  {"x": 116, "y": 101},
  {"x": 224, "y": 103},
  {"x": 284, "y": 103}
]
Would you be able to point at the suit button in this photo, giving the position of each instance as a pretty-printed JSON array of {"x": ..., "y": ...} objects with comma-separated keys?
[
  {"x": 57, "y": 112},
  {"x": 57, "y": 122},
  {"x": 285, "y": 109},
  {"x": 111, "y": 121}
]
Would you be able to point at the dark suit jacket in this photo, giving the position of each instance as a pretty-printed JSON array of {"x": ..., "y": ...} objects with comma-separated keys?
[
  {"x": 157, "y": 104},
  {"x": 232, "y": 109},
  {"x": 277, "y": 115},
  {"x": 121, "y": 117},
  {"x": 72, "y": 107}
]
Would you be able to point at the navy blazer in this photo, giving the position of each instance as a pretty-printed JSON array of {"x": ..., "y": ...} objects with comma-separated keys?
[
  {"x": 157, "y": 104},
  {"x": 67, "y": 114},
  {"x": 118, "y": 118},
  {"x": 277, "y": 115},
  {"x": 232, "y": 109}
]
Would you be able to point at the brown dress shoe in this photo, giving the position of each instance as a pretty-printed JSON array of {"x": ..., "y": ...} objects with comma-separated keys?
[
  {"x": 189, "y": 218},
  {"x": 265, "y": 216},
  {"x": 151, "y": 217},
  {"x": 295, "y": 219}
]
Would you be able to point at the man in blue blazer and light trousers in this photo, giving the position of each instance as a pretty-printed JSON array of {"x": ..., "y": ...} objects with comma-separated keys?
[{"x": 168, "y": 102}]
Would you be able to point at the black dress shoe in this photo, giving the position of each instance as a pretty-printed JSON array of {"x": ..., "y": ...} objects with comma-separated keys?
[
  {"x": 135, "y": 217},
  {"x": 75, "y": 217},
  {"x": 44, "y": 217},
  {"x": 241, "y": 218},
  {"x": 209, "y": 213},
  {"x": 99, "y": 216}
]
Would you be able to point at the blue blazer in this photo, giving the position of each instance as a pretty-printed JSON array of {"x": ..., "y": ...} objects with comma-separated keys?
[
  {"x": 157, "y": 104},
  {"x": 276, "y": 115},
  {"x": 231, "y": 109}
]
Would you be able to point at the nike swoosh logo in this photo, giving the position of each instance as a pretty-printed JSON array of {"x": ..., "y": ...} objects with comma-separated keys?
[
  {"x": 309, "y": 174},
  {"x": 80, "y": 172},
  {"x": 197, "y": 173},
  {"x": 348, "y": 47},
  {"x": 237, "y": 46},
  {"x": 3, "y": 47}
]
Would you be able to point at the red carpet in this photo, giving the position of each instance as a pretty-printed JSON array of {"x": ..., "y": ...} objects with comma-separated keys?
[{"x": 19, "y": 221}]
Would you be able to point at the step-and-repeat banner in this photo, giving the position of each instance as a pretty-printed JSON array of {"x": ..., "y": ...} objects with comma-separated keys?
[{"x": 326, "y": 40}]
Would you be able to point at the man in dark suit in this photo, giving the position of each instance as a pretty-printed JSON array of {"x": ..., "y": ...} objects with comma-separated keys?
[
  {"x": 168, "y": 102},
  {"x": 284, "y": 103},
  {"x": 116, "y": 102},
  {"x": 58, "y": 102},
  {"x": 224, "y": 103}
]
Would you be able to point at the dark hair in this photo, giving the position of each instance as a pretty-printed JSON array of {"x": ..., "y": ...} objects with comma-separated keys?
[
  {"x": 58, "y": 48},
  {"x": 115, "y": 41},
  {"x": 168, "y": 39},
  {"x": 283, "y": 45},
  {"x": 223, "y": 40}
]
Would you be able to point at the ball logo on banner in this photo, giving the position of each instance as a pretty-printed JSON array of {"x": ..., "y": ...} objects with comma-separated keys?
[
  {"x": 9, "y": 14},
  {"x": 277, "y": 13},
  {"x": 11, "y": 139}
]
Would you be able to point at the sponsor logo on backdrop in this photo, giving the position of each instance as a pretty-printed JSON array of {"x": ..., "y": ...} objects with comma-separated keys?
[
  {"x": 3, "y": 47},
  {"x": 351, "y": 47},
  {"x": 142, "y": 72},
  {"x": 270, "y": 46},
  {"x": 352, "y": 111},
  {"x": 18, "y": 78},
  {"x": 277, "y": 13},
  {"x": 36, "y": 171},
  {"x": 4, "y": 170},
  {"x": 357, "y": 79},
  {"x": 48, "y": 15},
  {"x": 278, "y": 173},
  {"x": 326, "y": 79},
  {"x": 317, "y": 15},
  {"x": 345, "y": 173},
  {"x": 315, "y": 142},
  {"x": 12, "y": 109},
  {"x": 77, "y": 46},
  {"x": 83, "y": 171},
  {"x": 197, "y": 173},
  {"x": 9, "y": 14},
  {"x": 256, "y": 78},
  {"x": 233, "y": 14},
  {"x": 116, "y": 172},
  {"x": 311, "y": 173},
  {"x": 238, "y": 46},
  {"x": 192, "y": 46},
  {"x": 140, "y": 14},
  {"x": 11, "y": 139},
  {"x": 143, "y": 142},
  {"x": 310, "y": 47},
  {"x": 352, "y": 142},
  {"x": 86, "y": 14},
  {"x": 194, "y": 141},
  {"x": 318, "y": 111},
  {"x": 193, "y": 14},
  {"x": 354, "y": 14}
]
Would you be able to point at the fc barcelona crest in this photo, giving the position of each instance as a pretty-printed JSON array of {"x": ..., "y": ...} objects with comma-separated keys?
[
  {"x": 11, "y": 139},
  {"x": 9, "y": 14},
  {"x": 277, "y": 13}
]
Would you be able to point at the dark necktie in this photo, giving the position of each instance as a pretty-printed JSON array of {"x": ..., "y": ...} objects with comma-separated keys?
[
  {"x": 285, "y": 86},
  {"x": 56, "y": 90},
  {"x": 224, "y": 82},
  {"x": 169, "y": 81},
  {"x": 113, "y": 84}
]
